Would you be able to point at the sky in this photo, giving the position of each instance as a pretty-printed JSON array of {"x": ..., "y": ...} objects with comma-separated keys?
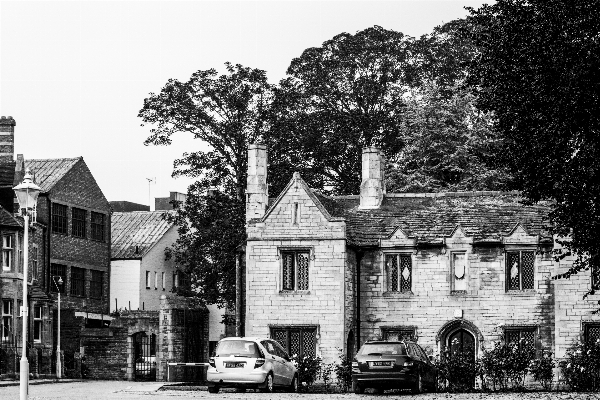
[{"x": 74, "y": 74}]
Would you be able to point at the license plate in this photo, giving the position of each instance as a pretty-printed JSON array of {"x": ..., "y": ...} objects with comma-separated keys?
[
  {"x": 381, "y": 364},
  {"x": 234, "y": 365}
]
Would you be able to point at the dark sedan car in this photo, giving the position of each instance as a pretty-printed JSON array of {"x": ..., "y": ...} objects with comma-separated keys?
[{"x": 392, "y": 365}]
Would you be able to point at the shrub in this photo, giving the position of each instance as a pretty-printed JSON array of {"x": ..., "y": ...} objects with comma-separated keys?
[
  {"x": 506, "y": 365},
  {"x": 343, "y": 373},
  {"x": 542, "y": 370},
  {"x": 457, "y": 371},
  {"x": 326, "y": 372},
  {"x": 309, "y": 369},
  {"x": 581, "y": 369}
]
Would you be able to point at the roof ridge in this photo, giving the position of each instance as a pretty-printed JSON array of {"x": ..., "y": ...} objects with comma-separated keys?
[{"x": 60, "y": 158}]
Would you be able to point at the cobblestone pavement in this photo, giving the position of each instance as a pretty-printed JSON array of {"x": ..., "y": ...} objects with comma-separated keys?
[{"x": 109, "y": 390}]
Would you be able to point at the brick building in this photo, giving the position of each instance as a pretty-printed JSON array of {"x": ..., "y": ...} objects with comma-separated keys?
[
  {"x": 325, "y": 274},
  {"x": 40, "y": 319}
]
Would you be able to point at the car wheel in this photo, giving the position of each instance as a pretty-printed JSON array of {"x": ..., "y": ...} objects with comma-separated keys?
[
  {"x": 268, "y": 385},
  {"x": 294, "y": 386},
  {"x": 418, "y": 388},
  {"x": 213, "y": 389},
  {"x": 358, "y": 389}
]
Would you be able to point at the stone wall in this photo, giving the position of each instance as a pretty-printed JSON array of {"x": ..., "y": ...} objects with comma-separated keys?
[{"x": 297, "y": 223}]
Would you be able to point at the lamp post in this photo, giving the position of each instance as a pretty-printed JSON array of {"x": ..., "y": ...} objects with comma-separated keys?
[
  {"x": 27, "y": 193},
  {"x": 58, "y": 361}
]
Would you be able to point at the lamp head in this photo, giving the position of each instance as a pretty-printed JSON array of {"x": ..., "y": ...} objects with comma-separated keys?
[{"x": 27, "y": 192}]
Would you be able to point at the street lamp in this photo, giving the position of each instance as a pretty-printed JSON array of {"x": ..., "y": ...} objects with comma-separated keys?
[
  {"x": 58, "y": 362},
  {"x": 27, "y": 193}
]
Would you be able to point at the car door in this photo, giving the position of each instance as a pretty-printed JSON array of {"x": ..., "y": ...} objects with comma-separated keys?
[
  {"x": 288, "y": 369},
  {"x": 275, "y": 360}
]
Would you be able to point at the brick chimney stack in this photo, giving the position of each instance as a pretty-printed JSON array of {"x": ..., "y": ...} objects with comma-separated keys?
[
  {"x": 7, "y": 139},
  {"x": 372, "y": 187},
  {"x": 257, "y": 192}
]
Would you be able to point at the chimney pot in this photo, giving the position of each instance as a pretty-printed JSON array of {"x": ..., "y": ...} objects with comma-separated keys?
[{"x": 372, "y": 187}]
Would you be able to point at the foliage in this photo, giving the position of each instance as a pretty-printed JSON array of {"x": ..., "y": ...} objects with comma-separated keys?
[
  {"x": 456, "y": 371},
  {"x": 337, "y": 99},
  {"x": 343, "y": 373},
  {"x": 309, "y": 370},
  {"x": 581, "y": 369},
  {"x": 227, "y": 112},
  {"x": 449, "y": 145},
  {"x": 506, "y": 365},
  {"x": 537, "y": 70},
  {"x": 542, "y": 370},
  {"x": 326, "y": 375}
]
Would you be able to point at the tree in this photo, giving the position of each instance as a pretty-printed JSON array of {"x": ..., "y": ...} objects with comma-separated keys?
[
  {"x": 450, "y": 144},
  {"x": 537, "y": 71},
  {"x": 227, "y": 112},
  {"x": 337, "y": 99}
]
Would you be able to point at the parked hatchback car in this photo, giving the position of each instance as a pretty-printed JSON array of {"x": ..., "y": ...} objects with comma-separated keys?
[
  {"x": 392, "y": 365},
  {"x": 251, "y": 363}
]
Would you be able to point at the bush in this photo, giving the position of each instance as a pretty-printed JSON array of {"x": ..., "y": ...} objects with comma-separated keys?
[
  {"x": 506, "y": 365},
  {"x": 581, "y": 369},
  {"x": 343, "y": 373},
  {"x": 309, "y": 369},
  {"x": 457, "y": 371},
  {"x": 542, "y": 370},
  {"x": 326, "y": 372}
]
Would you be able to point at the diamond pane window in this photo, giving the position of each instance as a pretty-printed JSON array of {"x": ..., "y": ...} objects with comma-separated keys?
[
  {"x": 520, "y": 270},
  {"x": 295, "y": 270},
  {"x": 399, "y": 272},
  {"x": 398, "y": 334},
  {"x": 591, "y": 333},
  {"x": 520, "y": 336},
  {"x": 300, "y": 341}
]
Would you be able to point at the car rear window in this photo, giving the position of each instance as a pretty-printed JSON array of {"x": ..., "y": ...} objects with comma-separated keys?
[
  {"x": 242, "y": 348},
  {"x": 396, "y": 349}
]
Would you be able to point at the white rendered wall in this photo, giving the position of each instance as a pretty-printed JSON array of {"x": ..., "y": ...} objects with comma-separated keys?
[{"x": 124, "y": 284}]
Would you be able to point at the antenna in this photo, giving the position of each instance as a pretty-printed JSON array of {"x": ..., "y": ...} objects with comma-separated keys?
[{"x": 150, "y": 180}]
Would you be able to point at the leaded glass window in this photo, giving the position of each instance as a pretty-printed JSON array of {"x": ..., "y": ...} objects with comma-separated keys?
[
  {"x": 520, "y": 337},
  {"x": 398, "y": 334},
  {"x": 295, "y": 271},
  {"x": 591, "y": 333},
  {"x": 520, "y": 270},
  {"x": 300, "y": 341},
  {"x": 398, "y": 272}
]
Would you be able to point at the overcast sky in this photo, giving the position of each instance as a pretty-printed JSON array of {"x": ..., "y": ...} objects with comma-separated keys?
[{"x": 74, "y": 74}]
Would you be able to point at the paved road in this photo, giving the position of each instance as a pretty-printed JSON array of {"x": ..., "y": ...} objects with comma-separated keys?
[{"x": 121, "y": 390}]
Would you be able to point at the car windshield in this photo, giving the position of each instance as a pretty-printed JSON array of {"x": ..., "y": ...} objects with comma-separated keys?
[
  {"x": 396, "y": 349},
  {"x": 240, "y": 348}
]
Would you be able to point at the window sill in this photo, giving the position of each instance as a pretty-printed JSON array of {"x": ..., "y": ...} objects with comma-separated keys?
[
  {"x": 398, "y": 294},
  {"x": 293, "y": 292},
  {"x": 524, "y": 292},
  {"x": 458, "y": 293}
]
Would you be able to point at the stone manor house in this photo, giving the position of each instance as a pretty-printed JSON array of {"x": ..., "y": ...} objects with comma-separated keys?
[{"x": 449, "y": 270}]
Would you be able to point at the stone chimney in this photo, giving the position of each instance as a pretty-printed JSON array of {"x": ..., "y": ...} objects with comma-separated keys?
[
  {"x": 372, "y": 187},
  {"x": 257, "y": 192},
  {"x": 7, "y": 139}
]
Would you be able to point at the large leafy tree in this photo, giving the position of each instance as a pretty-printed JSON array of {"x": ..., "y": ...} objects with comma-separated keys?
[
  {"x": 227, "y": 112},
  {"x": 537, "y": 71},
  {"x": 450, "y": 144},
  {"x": 337, "y": 99}
]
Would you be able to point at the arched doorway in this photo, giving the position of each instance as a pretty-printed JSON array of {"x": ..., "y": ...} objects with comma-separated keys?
[{"x": 461, "y": 341}]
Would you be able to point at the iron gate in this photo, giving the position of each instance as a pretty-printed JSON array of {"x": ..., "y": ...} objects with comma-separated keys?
[{"x": 144, "y": 356}]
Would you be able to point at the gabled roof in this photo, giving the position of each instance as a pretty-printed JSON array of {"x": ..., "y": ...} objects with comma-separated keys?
[
  {"x": 431, "y": 217},
  {"x": 7, "y": 219},
  {"x": 135, "y": 233},
  {"x": 47, "y": 172}
]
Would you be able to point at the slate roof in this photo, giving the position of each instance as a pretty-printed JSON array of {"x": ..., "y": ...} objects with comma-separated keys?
[
  {"x": 47, "y": 172},
  {"x": 7, "y": 219},
  {"x": 431, "y": 217},
  {"x": 135, "y": 233}
]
